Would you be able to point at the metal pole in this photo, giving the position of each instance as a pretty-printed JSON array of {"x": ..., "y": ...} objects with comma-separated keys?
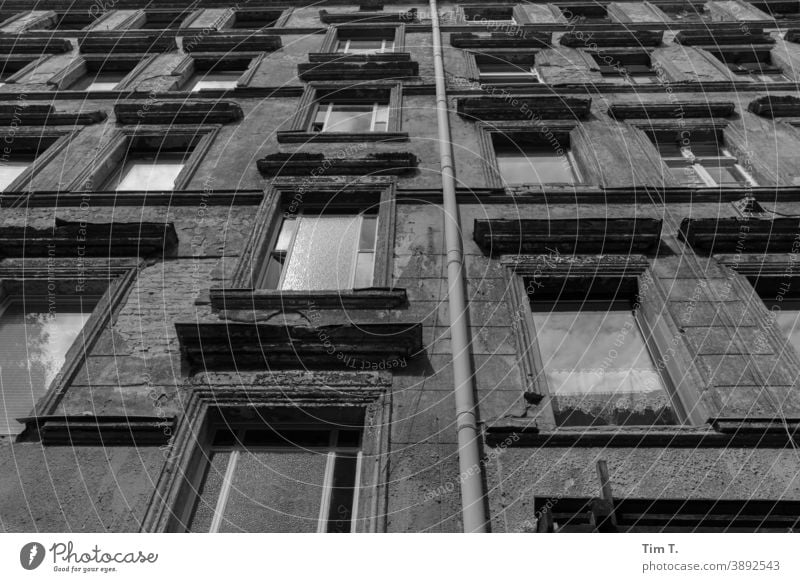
[{"x": 469, "y": 450}]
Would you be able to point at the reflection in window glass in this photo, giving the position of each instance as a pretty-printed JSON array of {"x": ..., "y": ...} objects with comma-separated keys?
[
  {"x": 526, "y": 164},
  {"x": 155, "y": 173},
  {"x": 283, "y": 485},
  {"x": 788, "y": 321},
  {"x": 10, "y": 170},
  {"x": 598, "y": 368},
  {"x": 36, "y": 334},
  {"x": 218, "y": 80}
]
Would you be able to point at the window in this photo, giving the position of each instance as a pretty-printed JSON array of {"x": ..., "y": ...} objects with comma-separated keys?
[
  {"x": 364, "y": 46},
  {"x": 754, "y": 64},
  {"x": 12, "y": 167},
  {"x": 590, "y": 13},
  {"x": 507, "y": 68},
  {"x": 597, "y": 365},
  {"x": 142, "y": 172},
  {"x": 525, "y": 159},
  {"x": 36, "y": 333},
  {"x": 323, "y": 251},
  {"x": 162, "y": 19},
  {"x": 781, "y": 296},
  {"x": 779, "y": 10},
  {"x": 351, "y": 117},
  {"x": 480, "y": 14},
  {"x": 212, "y": 72},
  {"x": 255, "y": 19},
  {"x": 260, "y": 480},
  {"x": 701, "y": 160},
  {"x": 634, "y": 68},
  {"x": 686, "y": 11},
  {"x": 99, "y": 82}
]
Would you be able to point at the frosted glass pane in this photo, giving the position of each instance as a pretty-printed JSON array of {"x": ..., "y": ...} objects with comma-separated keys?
[
  {"x": 323, "y": 254},
  {"x": 365, "y": 267},
  {"x": 34, "y": 343},
  {"x": 209, "y": 493},
  {"x": 723, "y": 175},
  {"x": 275, "y": 492},
  {"x": 99, "y": 82},
  {"x": 149, "y": 175},
  {"x": 221, "y": 80},
  {"x": 594, "y": 351},
  {"x": 10, "y": 171},
  {"x": 102, "y": 86}
]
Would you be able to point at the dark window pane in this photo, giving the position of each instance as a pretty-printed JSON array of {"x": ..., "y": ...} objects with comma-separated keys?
[{"x": 340, "y": 514}]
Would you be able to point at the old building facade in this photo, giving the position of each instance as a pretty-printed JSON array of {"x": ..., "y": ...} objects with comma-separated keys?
[{"x": 228, "y": 277}]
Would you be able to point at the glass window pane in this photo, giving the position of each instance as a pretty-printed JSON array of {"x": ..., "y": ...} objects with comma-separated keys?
[
  {"x": 285, "y": 236},
  {"x": 149, "y": 175},
  {"x": 98, "y": 82},
  {"x": 323, "y": 254},
  {"x": 275, "y": 491},
  {"x": 36, "y": 335},
  {"x": 369, "y": 225},
  {"x": 365, "y": 267},
  {"x": 219, "y": 80},
  {"x": 598, "y": 369},
  {"x": 685, "y": 174},
  {"x": 365, "y": 46},
  {"x": 340, "y": 512},
  {"x": 208, "y": 495},
  {"x": 534, "y": 167},
  {"x": 10, "y": 171},
  {"x": 789, "y": 322},
  {"x": 350, "y": 119},
  {"x": 724, "y": 175}
]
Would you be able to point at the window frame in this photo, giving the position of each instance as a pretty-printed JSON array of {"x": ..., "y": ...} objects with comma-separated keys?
[
  {"x": 282, "y": 199},
  {"x": 734, "y": 61},
  {"x": 377, "y": 108},
  {"x": 208, "y": 62},
  {"x": 364, "y": 398},
  {"x": 58, "y": 140},
  {"x": 114, "y": 280},
  {"x": 680, "y": 373},
  {"x": 474, "y": 60},
  {"x": 560, "y": 130},
  {"x": 337, "y": 33},
  {"x": 332, "y": 450},
  {"x": 625, "y": 59},
  {"x": 86, "y": 65},
  {"x": 98, "y": 171}
]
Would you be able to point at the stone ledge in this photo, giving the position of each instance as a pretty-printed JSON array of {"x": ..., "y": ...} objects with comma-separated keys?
[
  {"x": 81, "y": 239},
  {"x": 171, "y": 112},
  {"x": 46, "y": 115},
  {"x": 104, "y": 430},
  {"x": 775, "y": 106},
  {"x": 714, "y": 39},
  {"x": 368, "y": 58},
  {"x": 373, "y": 70},
  {"x": 570, "y": 236},
  {"x": 504, "y": 109},
  {"x": 632, "y": 38},
  {"x": 300, "y": 163},
  {"x": 367, "y": 17},
  {"x": 676, "y": 110},
  {"x": 334, "y": 137},
  {"x": 530, "y": 39},
  {"x": 16, "y": 44},
  {"x": 369, "y": 298},
  {"x": 737, "y": 235},
  {"x": 228, "y": 42},
  {"x": 127, "y": 42},
  {"x": 261, "y": 346}
]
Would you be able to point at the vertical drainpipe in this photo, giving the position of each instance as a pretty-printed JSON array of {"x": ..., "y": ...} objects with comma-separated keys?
[{"x": 469, "y": 451}]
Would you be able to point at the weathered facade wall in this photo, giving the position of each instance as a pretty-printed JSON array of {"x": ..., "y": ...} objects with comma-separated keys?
[{"x": 137, "y": 366}]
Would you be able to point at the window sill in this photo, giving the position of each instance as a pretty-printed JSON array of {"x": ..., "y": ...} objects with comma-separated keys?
[
  {"x": 521, "y": 432},
  {"x": 334, "y": 137},
  {"x": 570, "y": 236},
  {"x": 183, "y": 112},
  {"x": 263, "y": 346},
  {"x": 303, "y": 164},
  {"x": 771, "y": 106},
  {"x": 735, "y": 235},
  {"x": 520, "y": 108},
  {"x": 369, "y": 298},
  {"x": 628, "y": 38},
  {"x": 530, "y": 39},
  {"x": 105, "y": 430}
]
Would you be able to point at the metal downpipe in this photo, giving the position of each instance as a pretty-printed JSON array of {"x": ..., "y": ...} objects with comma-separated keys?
[{"x": 469, "y": 450}]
